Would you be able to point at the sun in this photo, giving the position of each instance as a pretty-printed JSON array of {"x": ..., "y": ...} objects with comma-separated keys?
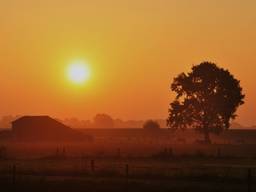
[{"x": 78, "y": 72}]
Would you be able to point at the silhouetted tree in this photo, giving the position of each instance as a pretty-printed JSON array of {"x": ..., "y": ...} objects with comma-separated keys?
[
  {"x": 207, "y": 99},
  {"x": 151, "y": 125},
  {"x": 103, "y": 121}
]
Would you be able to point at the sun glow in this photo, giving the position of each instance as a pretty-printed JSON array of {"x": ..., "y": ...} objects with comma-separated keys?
[{"x": 78, "y": 72}]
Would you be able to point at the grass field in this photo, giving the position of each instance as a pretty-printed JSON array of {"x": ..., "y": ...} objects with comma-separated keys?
[
  {"x": 143, "y": 174},
  {"x": 119, "y": 163},
  {"x": 70, "y": 184}
]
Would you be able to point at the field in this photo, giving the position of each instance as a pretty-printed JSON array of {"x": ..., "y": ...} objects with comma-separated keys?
[
  {"x": 179, "y": 174},
  {"x": 132, "y": 163}
]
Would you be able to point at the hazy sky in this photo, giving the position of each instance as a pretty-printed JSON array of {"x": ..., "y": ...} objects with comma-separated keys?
[{"x": 133, "y": 47}]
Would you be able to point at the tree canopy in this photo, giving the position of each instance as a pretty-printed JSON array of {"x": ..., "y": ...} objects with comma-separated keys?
[{"x": 207, "y": 98}]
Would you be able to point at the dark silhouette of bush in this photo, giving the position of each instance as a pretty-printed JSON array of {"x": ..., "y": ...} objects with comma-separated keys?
[
  {"x": 151, "y": 125},
  {"x": 103, "y": 121},
  {"x": 207, "y": 99}
]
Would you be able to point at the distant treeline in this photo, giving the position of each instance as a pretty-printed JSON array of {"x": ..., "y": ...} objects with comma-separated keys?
[
  {"x": 103, "y": 121},
  {"x": 99, "y": 121},
  {"x": 106, "y": 121}
]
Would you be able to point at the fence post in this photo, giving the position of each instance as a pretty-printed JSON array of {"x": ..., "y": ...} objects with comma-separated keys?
[
  {"x": 126, "y": 170},
  {"x": 249, "y": 180},
  {"x": 14, "y": 170},
  {"x": 63, "y": 152},
  {"x": 92, "y": 166},
  {"x": 170, "y": 153},
  {"x": 57, "y": 154},
  {"x": 218, "y": 153},
  {"x": 118, "y": 153}
]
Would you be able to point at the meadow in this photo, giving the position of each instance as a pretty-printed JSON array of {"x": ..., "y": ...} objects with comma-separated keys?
[
  {"x": 113, "y": 163},
  {"x": 134, "y": 174}
]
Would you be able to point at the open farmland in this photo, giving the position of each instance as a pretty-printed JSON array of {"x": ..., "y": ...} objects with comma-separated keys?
[
  {"x": 132, "y": 161},
  {"x": 178, "y": 174}
]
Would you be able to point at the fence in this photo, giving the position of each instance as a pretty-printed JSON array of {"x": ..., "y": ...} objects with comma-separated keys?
[{"x": 93, "y": 168}]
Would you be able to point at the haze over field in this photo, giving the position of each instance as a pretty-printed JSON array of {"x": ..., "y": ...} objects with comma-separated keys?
[{"x": 133, "y": 49}]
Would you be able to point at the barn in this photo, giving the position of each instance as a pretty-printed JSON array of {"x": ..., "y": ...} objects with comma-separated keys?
[{"x": 45, "y": 129}]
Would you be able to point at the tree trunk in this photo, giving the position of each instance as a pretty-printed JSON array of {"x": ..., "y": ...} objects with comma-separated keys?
[
  {"x": 207, "y": 137},
  {"x": 206, "y": 132}
]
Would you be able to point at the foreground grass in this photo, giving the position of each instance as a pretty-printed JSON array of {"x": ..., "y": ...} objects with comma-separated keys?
[
  {"x": 151, "y": 175},
  {"x": 85, "y": 184}
]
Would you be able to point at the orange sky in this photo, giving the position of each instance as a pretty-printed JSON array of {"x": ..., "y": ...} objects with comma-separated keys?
[{"x": 134, "y": 48}]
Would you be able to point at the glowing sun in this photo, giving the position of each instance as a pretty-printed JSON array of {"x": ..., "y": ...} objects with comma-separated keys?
[{"x": 78, "y": 72}]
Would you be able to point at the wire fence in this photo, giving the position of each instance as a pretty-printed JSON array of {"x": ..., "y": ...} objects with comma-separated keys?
[{"x": 130, "y": 170}]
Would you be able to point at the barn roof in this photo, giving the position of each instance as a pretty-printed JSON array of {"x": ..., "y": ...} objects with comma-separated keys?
[
  {"x": 45, "y": 128},
  {"x": 37, "y": 119}
]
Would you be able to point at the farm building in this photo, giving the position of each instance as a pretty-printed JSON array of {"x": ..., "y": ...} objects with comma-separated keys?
[{"x": 45, "y": 128}]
